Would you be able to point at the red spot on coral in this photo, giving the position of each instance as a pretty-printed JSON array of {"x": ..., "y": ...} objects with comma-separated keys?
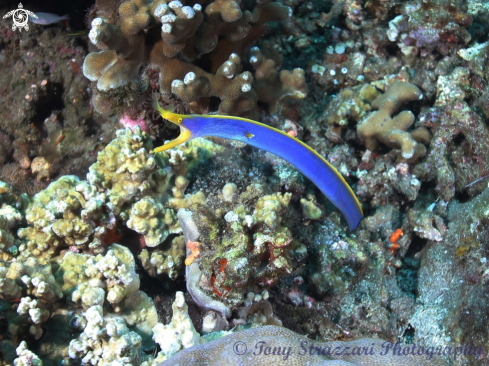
[
  {"x": 111, "y": 236},
  {"x": 75, "y": 66},
  {"x": 213, "y": 283},
  {"x": 393, "y": 249},
  {"x": 223, "y": 263},
  {"x": 226, "y": 288},
  {"x": 449, "y": 38}
]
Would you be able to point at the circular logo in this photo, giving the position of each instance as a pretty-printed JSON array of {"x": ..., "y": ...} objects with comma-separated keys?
[
  {"x": 20, "y": 17},
  {"x": 240, "y": 348}
]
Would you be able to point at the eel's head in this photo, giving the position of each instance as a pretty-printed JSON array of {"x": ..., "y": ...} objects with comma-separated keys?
[{"x": 177, "y": 119}]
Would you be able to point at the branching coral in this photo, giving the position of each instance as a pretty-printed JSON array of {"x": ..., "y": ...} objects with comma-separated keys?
[
  {"x": 26, "y": 357},
  {"x": 53, "y": 220},
  {"x": 214, "y": 31},
  {"x": 127, "y": 182},
  {"x": 272, "y": 86},
  {"x": 125, "y": 169},
  {"x": 153, "y": 221},
  {"x": 231, "y": 86},
  {"x": 37, "y": 314},
  {"x": 380, "y": 127},
  {"x": 34, "y": 284}
]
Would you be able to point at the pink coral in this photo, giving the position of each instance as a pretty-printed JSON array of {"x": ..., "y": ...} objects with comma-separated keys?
[{"x": 127, "y": 121}]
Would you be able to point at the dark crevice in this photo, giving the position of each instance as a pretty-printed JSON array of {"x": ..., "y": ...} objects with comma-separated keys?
[
  {"x": 458, "y": 139},
  {"x": 91, "y": 127},
  {"x": 408, "y": 335},
  {"x": 407, "y": 275},
  {"x": 45, "y": 105},
  {"x": 462, "y": 197},
  {"x": 427, "y": 187},
  {"x": 417, "y": 245}
]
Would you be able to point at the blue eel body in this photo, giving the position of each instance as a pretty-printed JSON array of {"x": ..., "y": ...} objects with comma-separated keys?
[{"x": 259, "y": 135}]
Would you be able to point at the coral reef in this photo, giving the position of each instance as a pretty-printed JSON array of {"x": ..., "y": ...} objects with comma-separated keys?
[
  {"x": 459, "y": 265},
  {"x": 216, "y": 31},
  {"x": 111, "y": 277},
  {"x": 430, "y": 25},
  {"x": 449, "y": 165},
  {"x": 373, "y": 174},
  {"x": 226, "y": 274},
  {"x": 44, "y": 106},
  {"x": 336, "y": 259},
  {"x": 26, "y": 357},
  {"x": 105, "y": 341},
  {"x": 232, "y": 242},
  {"x": 165, "y": 262},
  {"x": 350, "y": 105}
]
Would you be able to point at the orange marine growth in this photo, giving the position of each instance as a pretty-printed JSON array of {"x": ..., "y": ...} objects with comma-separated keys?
[
  {"x": 194, "y": 252},
  {"x": 394, "y": 238},
  {"x": 396, "y": 235}
]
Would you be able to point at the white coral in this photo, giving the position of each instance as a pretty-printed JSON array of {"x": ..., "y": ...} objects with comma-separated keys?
[
  {"x": 105, "y": 342},
  {"x": 26, "y": 357},
  {"x": 180, "y": 333}
]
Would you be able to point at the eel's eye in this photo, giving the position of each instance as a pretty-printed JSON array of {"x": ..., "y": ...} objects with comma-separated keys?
[{"x": 180, "y": 120}]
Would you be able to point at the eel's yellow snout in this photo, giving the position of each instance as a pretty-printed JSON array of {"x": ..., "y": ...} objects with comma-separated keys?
[{"x": 185, "y": 134}]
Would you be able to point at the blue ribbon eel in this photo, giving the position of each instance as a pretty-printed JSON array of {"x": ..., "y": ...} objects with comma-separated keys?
[{"x": 259, "y": 135}]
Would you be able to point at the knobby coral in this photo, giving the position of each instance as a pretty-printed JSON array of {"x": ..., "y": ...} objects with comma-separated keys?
[
  {"x": 381, "y": 127},
  {"x": 171, "y": 36}
]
